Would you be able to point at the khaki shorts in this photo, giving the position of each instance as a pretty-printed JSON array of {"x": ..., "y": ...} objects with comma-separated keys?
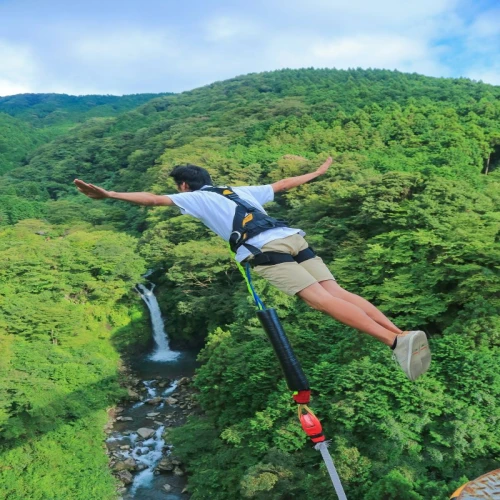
[{"x": 291, "y": 277}]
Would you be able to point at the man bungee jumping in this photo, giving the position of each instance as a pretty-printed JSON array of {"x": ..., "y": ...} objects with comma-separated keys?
[{"x": 278, "y": 252}]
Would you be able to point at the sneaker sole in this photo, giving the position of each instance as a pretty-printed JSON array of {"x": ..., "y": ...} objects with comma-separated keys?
[{"x": 426, "y": 355}]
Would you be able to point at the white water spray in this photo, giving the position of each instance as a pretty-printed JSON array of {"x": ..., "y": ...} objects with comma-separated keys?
[
  {"x": 162, "y": 351},
  {"x": 148, "y": 456}
]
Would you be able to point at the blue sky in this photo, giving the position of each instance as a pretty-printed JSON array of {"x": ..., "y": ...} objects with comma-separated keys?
[{"x": 123, "y": 47}]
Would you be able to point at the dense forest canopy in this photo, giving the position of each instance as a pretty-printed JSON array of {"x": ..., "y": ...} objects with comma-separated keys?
[
  {"x": 408, "y": 217},
  {"x": 44, "y": 110},
  {"x": 29, "y": 120}
]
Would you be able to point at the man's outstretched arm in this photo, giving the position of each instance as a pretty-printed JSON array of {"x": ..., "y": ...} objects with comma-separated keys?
[
  {"x": 292, "y": 182},
  {"x": 98, "y": 193}
]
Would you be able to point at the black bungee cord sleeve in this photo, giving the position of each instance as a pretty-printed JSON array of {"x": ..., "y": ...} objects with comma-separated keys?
[
  {"x": 295, "y": 378},
  {"x": 296, "y": 381}
]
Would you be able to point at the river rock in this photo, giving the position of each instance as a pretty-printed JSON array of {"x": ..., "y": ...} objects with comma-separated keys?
[
  {"x": 170, "y": 400},
  {"x": 165, "y": 464},
  {"x": 125, "y": 477},
  {"x": 145, "y": 432},
  {"x": 167, "y": 488},
  {"x": 183, "y": 381},
  {"x": 153, "y": 414},
  {"x": 154, "y": 401},
  {"x": 128, "y": 464},
  {"x": 178, "y": 471},
  {"x": 133, "y": 395},
  {"x": 124, "y": 419}
]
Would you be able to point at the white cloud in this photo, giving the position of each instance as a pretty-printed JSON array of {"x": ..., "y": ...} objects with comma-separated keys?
[
  {"x": 9, "y": 87},
  {"x": 487, "y": 25},
  {"x": 482, "y": 47},
  {"x": 483, "y": 36},
  {"x": 379, "y": 13},
  {"x": 124, "y": 46},
  {"x": 18, "y": 69},
  {"x": 366, "y": 50},
  {"x": 487, "y": 75},
  {"x": 334, "y": 33},
  {"x": 224, "y": 28},
  {"x": 179, "y": 52}
]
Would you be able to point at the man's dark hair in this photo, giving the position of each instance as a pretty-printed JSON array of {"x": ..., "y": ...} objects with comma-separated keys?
[{"x": 195, "y": 177}]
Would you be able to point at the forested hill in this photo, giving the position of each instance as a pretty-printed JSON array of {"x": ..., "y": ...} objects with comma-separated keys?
[
  {"x": 49, "y": 109},
  {"x": 408, "y": 217},
  {"x": 29, "y": 120}
]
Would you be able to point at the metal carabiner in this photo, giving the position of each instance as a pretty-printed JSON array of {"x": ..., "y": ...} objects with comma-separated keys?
[{"x": 237, "y": 239}]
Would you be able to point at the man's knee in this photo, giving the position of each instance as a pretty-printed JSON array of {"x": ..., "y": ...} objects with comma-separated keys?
[
  {"x": 333, "y": 288},
  {"x": 316, "y": 298}
]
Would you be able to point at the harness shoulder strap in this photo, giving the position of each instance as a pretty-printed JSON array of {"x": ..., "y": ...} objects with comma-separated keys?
[
  {"x": 227, "y": 192},
  {"x": 248, "y": 220}
]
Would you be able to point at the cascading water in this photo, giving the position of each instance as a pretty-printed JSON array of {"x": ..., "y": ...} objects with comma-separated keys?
[
  {"x": 137, "y": 440},
  {"x": 145, "y": 452},
  {"x": 162, "y": 351},
  {"x": 148, "y": 455}
]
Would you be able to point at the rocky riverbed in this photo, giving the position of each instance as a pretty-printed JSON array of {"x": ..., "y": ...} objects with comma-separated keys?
[{"x": 139, "y": 451}]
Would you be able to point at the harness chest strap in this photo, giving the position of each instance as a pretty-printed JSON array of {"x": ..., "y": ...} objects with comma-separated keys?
[{"x": 248, "y": 222}]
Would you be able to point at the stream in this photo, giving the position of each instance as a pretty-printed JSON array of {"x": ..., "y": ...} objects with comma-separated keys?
[{"x": 140, "y": 454}]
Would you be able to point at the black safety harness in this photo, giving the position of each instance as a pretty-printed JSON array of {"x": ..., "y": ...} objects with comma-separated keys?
[{"x": 248, "y": 222}]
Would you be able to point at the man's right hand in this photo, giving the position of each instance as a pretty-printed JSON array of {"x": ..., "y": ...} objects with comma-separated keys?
[{"x": 91, "y": 191}]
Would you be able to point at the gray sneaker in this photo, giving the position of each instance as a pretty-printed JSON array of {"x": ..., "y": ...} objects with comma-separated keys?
[{"x": 413, "y": 354}]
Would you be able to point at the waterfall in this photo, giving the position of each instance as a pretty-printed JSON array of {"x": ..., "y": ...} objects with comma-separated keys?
[{"x": 162, "y": 351}]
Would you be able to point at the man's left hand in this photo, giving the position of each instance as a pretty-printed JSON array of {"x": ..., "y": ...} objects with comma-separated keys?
[{"x": 321, "y": 170}]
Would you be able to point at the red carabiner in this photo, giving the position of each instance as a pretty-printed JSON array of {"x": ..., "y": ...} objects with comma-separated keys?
[{"x": 311, "y": 425}]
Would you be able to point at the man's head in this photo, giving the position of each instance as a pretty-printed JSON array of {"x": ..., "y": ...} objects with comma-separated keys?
[{"x": 190, "y": 177}]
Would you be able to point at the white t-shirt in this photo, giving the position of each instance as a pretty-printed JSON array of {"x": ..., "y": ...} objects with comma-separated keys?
[{"x": 217, "y": 213}]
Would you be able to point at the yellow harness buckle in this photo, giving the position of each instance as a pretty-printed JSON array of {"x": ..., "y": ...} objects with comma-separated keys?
[{"x": 248, "y": 218}]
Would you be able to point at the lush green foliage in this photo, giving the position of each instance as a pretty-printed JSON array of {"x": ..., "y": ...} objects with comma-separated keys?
[
  {"x": 407, "y": 217},
  {"x": 64, "y": 297},
  {"x": 17, "y": 139},
  {"x": 29, "y": 120},
  {"x": 59, "y": 109}
]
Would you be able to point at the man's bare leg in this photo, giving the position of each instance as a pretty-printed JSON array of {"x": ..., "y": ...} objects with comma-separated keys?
[
  {"x": 346, "y": 312},
  {"x": 333, "y": 288}
]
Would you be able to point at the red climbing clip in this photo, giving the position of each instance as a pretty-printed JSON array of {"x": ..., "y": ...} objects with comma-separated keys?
[{"x": 311, "y": 424}]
